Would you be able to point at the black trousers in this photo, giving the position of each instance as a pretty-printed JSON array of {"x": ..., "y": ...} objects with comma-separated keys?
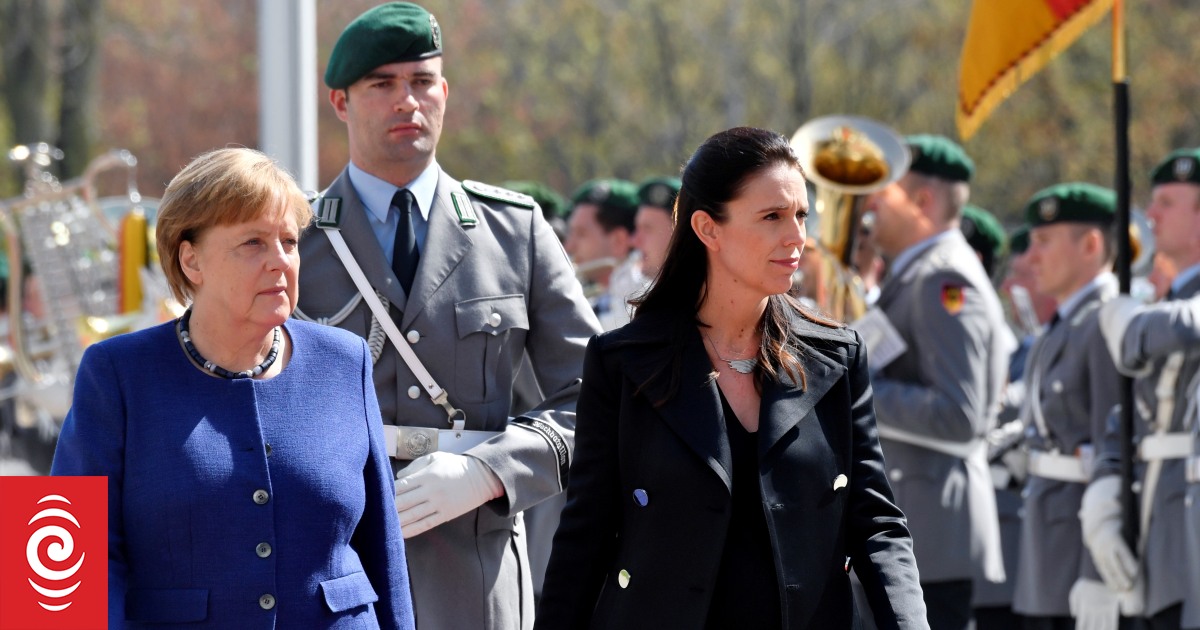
[
  {"x": 948, "y": 604},
  {"x": 1049, "y": 623}
]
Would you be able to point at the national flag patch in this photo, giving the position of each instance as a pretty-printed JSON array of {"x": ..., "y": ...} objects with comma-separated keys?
[{"x": 953, "y": 298}]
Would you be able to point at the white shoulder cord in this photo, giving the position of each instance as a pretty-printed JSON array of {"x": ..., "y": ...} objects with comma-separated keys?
[{"x": 457, "y": 417}]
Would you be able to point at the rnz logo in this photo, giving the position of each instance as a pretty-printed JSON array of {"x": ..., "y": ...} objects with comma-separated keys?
[{"x": 54, "y": 542}]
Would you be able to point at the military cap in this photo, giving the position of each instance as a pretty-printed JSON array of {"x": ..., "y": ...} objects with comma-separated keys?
[
  {"x": 659, "y": 192},
  {"x": 1075, "y": 202},
  {"x": 1018, "y": 241},
  {"x": 617, "y": 194},
  {"x": 388, "y": 33},
  {"x": 1181, "y": 167},
  {"x": 552, "y": 203},
  {"x": 983, "y": 232},
  {"x": 940, "y": 157}
]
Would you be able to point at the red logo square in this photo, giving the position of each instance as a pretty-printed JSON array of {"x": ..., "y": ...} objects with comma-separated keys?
[{"x": 54, "y": 552}]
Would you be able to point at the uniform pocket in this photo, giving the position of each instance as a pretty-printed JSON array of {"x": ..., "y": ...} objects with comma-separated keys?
[
  {"x": 166, "y": 605},
  {"x": 348, "y": 592},
  {"x": 486, "y": 327}
]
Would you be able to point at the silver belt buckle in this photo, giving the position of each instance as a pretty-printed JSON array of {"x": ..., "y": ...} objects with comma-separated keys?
[{"x": 413, "y": 442}]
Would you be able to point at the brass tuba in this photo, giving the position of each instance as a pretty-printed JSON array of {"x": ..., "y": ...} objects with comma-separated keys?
[{"x": 845, "y": 158}]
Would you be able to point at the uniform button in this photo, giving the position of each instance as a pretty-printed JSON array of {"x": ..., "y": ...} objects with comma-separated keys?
[
  {"x": 261, "y": 497},
  {"x": 840, "y": 482},
  {"x": 413, "y": 336},
  {"x": 267, "y": 601},
  {"x": 495, "y": 319},
  {"x": 1057, "y": 386},
  {"x": 414, "y": 392},
  {"x": 640, "y": 497},
  {"x": 896, "y": 474},
  {"x": 263, "y": 550}
]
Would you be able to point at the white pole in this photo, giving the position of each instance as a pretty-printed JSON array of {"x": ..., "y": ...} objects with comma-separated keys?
[{"x": 287, "y": 86}]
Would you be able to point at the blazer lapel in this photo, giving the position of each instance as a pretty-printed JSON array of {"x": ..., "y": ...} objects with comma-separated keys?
[
  {"x": 695, "y": 411},
  {"x": 356, "y": 229},
  {"x": 786, "y": 403},
  {"x": 438, "y": 261}
]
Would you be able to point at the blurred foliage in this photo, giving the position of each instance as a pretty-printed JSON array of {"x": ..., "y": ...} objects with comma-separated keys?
[{"x": 565, "y": 91}]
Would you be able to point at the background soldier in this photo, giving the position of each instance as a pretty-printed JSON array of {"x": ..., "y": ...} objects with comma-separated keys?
[
  {"x": 600, "y": 241},
  {"x": 654, "y": 223},
  {"x": 937, "y": 400},
  {"x": 1071, "y": 386},
  {"x": 1154, "y": 348},
  {"x": 430, "y": 246}
]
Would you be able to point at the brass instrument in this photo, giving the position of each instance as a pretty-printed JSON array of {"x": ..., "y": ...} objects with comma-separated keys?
[
  {"x": 845, "y": 158},
  {"x": 78, "y": 260}
]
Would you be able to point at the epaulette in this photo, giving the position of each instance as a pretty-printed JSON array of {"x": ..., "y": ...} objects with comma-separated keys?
[{"x": 496, "y": 193}]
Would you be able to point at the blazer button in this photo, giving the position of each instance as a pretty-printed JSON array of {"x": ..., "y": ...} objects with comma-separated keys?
[
  {"x": 640, "y": 497},
  {"x": 263, "y": 550},
  {"x": 413, "y": 336},
  {"x": 267, "y": 601},
  {"x": 268, "y": 448},
  {"x": 895, "y": 474},
  {"x": 414, "y": 392},
  {"x": 623, "y": 578},
  {"x": 261, "y": 497},
  {"x": 840, "y": 482}
]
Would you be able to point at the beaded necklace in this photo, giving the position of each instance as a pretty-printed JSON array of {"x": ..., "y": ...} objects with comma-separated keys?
[{"x": 181, "y": 330}]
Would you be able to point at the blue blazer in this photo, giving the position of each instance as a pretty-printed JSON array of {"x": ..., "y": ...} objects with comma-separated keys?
[{"x": 241, "y": 503}]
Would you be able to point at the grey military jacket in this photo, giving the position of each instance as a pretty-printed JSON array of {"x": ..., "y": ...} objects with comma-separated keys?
[
  {"x": 493, "y": 284},
  {"x": 946, "y": 386},
  {"x": 1076, "y": 386},
  {"x": 1151, "y": 338}
]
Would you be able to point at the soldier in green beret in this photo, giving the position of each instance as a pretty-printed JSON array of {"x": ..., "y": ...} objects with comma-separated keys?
[
  {"x": 937, "y": 398},
  {"x": 600, "y": 241},
  {"x": 464, "y": 279},
  {"x": 655, "y": 221},
  {"x": 1071, "y": 385},
  {"x": 1157, "y": 345},
  {"x": 985, "y": 235}
]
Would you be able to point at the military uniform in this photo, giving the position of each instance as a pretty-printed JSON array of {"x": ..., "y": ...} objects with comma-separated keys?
[
  {"x": 1160, "y": 349},
  {"x": 492, "y": 285},
  {"x": 469, "y": 320},
  {"x": 944, "y": 390},
  {"x": 1072, "y": 385}
]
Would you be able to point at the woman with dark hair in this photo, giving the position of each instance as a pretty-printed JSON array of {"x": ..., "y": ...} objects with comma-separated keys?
[{"x": 727, "y": 470}]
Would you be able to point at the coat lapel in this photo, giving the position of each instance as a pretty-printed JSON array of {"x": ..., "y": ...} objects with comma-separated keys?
[
  {"x": 786, "y": 403},
  {"x": 438, "y": 261},
  {"x": 356, "y": 229},
  {"x": 689, "y": 412}
]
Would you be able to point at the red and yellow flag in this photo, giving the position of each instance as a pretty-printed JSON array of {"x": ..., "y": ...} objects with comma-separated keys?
[{"x": 1007, "y": 42}]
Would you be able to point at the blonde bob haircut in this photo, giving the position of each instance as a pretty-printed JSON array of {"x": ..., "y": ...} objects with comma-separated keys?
[{"x": 221, "y": 187}]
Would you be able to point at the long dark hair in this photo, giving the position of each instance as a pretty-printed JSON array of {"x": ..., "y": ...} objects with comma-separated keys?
[{"x": 715, "y": 175}]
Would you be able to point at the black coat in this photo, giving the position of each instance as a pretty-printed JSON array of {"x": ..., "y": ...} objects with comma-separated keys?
[{"x": 678, "y": 455}]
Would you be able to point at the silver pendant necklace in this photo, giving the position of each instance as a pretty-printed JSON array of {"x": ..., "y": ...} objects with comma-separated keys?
[{"x": 742, "y": 366}]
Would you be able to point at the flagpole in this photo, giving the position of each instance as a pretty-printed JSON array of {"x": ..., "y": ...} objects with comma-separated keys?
[{"x": 1129, "y": 510}]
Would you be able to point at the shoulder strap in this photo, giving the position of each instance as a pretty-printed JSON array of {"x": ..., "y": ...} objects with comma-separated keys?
[{"x": 457, "y": 417}]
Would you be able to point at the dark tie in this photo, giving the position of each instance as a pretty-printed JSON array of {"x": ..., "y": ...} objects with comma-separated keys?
[
  {"x": 404, "y": 252},
  {"x": 1054, "y": 321}
]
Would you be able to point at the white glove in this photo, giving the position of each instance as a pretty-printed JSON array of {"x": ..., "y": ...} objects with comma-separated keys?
[
  {"x": 1093, "y": 606},
  {"x": 1115, "y": 317},
  {"x": 1133, "y": 601},
  {"x": 1100, "y": 516},
  {"x": 438, "y": 487}
]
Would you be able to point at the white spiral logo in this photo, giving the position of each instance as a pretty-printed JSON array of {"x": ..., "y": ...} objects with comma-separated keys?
[{"x": 59, "y": 550}]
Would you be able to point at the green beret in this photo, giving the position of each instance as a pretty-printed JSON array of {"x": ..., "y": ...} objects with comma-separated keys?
[
  {"x": 616, "y": 194},
  {"x": 1076, "y": 202},
  {"x": 659, "y": 192},
  {"x": 983, "y": 231},
  {"x": 552, "y": 203},
  {"x": 1018, "y": 241},
  {"x": 940, "y": 157},
  {"x": 388, "y": 33},
  {"x": 1181, "y": 167}
]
